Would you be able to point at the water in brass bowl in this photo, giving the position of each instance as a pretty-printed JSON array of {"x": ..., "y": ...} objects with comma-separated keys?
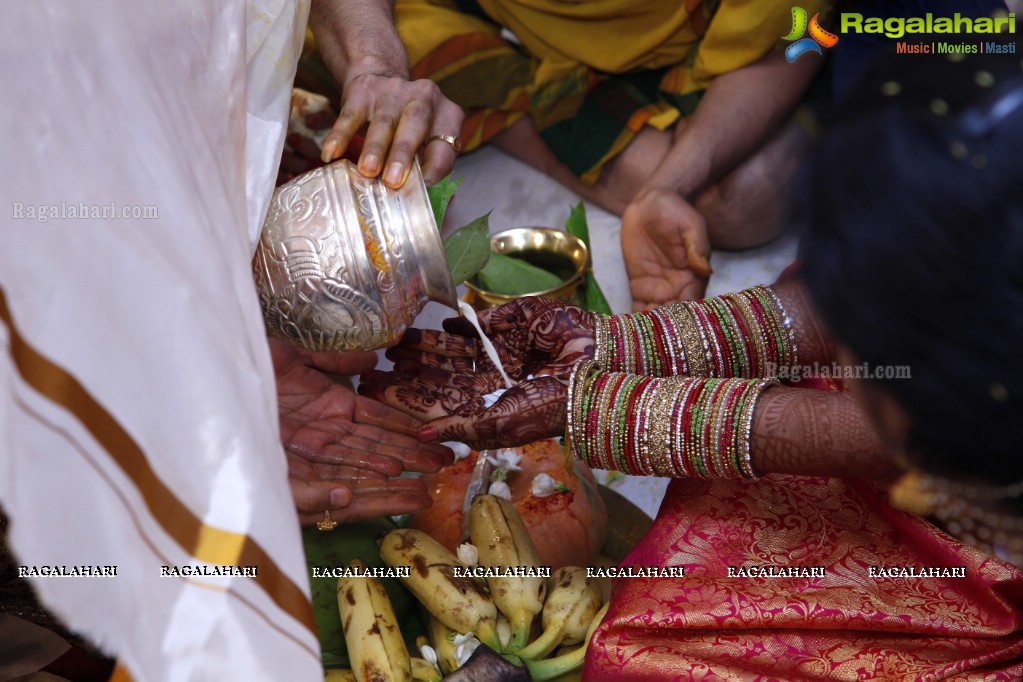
[{"x": 556, "y": 251}]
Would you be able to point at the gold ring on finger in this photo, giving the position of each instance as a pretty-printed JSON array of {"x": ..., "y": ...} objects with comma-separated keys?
[
  {"x": 326, "y": 523},
  {"x": 454, "y": 141}
]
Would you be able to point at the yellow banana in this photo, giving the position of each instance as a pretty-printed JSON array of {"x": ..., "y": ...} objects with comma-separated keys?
[
  {"x": 572, "y": 599},
  {"x": 375, "y": 644},
  {"x": 503, "y": 541},
  {"x": 549, "y": 668},
  {"x": 424, "y": 671},
  {"x": 338, "y": 675},
  {"x": 440, "y": 638},
  {"x": 459, "y": 601}
]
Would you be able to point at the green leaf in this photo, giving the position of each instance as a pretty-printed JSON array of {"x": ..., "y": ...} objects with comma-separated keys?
[
  {"x": 592, "y": 297},
  {"x": 514, "y": 276},
  {"x": 468, "y": 248},
  {"x": 440, "y": 196},
  {"x": 334, "y": 550},
  {"x": 577, "y": 225}
]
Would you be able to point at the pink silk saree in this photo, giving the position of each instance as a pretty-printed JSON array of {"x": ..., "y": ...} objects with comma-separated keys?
[{"x": 845, "y": 625}]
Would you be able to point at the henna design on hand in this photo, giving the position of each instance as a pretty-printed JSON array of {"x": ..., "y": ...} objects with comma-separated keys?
[
  {"x": 814, "y": 342},
  {"x": 528, "y": 412},
  {"x": 416, "y": 396},
  {"x": 816, "y": 433},
  {"x": 535, "y": 337}
]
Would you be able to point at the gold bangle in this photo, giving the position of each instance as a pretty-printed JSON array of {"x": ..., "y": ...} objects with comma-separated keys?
[
  {"x": 694, "y": 345},
  {"x": 680, "y": 442}
]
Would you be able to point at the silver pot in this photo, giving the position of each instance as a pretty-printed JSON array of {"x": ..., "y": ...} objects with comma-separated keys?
[{"x": 345, "y": 263}]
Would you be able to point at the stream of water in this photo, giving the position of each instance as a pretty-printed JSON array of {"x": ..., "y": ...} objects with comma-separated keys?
[{"x": 470, "y": 315}]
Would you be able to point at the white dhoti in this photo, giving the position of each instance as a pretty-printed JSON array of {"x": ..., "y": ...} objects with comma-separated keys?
[{"x": 138, "y": 425}]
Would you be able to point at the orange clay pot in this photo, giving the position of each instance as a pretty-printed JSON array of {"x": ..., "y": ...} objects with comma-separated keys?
[{"x": 568, "y": 529}]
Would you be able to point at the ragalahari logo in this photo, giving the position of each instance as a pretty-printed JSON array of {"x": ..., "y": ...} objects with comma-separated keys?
[{"x": 818, "y": 36}]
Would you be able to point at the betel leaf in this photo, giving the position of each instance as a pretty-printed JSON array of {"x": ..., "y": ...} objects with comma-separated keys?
[
  {"x": 592, "y": 297},
  {"x": 440, "y": 196},
  {"x": 514, "y": 276},
  {"x": 468, "y": 248},
  {"x": 576, "y": 224},
  {"x": 334, "y": 550}
]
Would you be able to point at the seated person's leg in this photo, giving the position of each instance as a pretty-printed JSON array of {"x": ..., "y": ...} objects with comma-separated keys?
[{"x": 746, "y": 208}]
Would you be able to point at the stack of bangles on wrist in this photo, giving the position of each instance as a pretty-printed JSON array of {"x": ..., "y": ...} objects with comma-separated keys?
[
  {"x": 671, "y": 426},
  {"x": 745, "y": 334}
]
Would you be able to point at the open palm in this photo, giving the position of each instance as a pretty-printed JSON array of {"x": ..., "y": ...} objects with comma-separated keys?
[
  {"x": 344, "y": 450},
  {"x": 666, "y": 249}
]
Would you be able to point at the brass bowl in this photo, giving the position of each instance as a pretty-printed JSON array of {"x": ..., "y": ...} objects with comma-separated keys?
[{"x": 548, "y": 244}]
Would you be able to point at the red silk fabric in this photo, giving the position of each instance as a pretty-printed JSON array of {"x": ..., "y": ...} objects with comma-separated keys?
[{"x": 845, "y": 625}]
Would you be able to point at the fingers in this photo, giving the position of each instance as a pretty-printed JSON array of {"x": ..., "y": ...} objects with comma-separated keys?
[
  {"x": 345, "y": 450},
  {"x": 366, "y": 499},
  {"x": 286, "y": 356},
  {"x": 314, "y": 471},
  {"x": 345, "y": 128},
  {"x": 697, "y": 243},
  {"x": 439, "y": 156},
  {"x": 451, "y": 344},
  {"x": 515, "y": 315},
  {"x": 531, "y": 411},
  {"x": 482, "y": 382},
  {"x": 376, "y": 143},
  {"x": 694, "y": 290},
  {"x": 419, "y": 398},
  {"x": 410, "y": 357},
  {"x": 346, "y": 364},
  {"x": 427, "y": 458},
  {"x": 639, "y": 306},
  {"x": 313, "y": 497},
  {"x": 374, "y": 414},
  {"x": 399, "y": 116},
  {"x": 413, "y": 127},
  {"x": 372, "y": 453},
  {"x": 462, "y": 327}
]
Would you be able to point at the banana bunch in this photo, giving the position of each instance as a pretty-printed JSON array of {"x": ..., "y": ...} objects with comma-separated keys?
[
  {"x": 573, "y": 600},
  {"x": 502, "y": 540},
  {"x": 460, "y": 606},
  {"x": 549, "y": 668},
  {"x": 460, "y": 602}
]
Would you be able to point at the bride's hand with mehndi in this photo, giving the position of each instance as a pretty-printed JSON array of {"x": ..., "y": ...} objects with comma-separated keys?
[{"x": 443, "y": 377}]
